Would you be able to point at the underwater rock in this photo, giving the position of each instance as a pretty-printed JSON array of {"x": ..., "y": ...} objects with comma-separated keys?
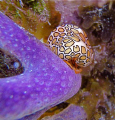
[
  {"x": 99, "y": 21},
  {"x": 45, "y": 82},
  {"x": 68, "y": 11}
]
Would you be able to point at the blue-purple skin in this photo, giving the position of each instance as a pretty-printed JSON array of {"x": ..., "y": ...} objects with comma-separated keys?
[
  {"x": 45, "y": 82},
  {"x": 72, "y": 112}
]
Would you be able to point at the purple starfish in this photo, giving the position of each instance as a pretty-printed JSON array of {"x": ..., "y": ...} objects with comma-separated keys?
[{"x": 45, "y": 82}]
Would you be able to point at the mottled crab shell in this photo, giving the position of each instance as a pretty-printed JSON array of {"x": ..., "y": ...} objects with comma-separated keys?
[{"x": 69, "y": 41}]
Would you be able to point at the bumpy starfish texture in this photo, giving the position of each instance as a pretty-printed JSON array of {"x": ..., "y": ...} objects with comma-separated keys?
[{"x": 45, "y": 82}]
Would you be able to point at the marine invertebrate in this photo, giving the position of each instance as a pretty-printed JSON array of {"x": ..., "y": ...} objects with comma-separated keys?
[
  {"x": 45, "y": 81},
  {"x": 71, "y": 44},
  {"x": 72, "y": 112}
]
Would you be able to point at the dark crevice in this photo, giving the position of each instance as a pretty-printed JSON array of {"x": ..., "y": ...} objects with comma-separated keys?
[{"x": 9, "y": 65}]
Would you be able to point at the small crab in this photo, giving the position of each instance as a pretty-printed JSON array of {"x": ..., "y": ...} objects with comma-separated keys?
[{"x": 71, "y": 44}]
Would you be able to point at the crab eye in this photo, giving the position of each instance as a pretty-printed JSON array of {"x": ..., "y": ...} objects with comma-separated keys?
[{"x": 69, "y": 41}]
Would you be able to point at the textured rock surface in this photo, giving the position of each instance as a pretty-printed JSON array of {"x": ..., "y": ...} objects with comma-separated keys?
[{"x": 46, "y": 80}]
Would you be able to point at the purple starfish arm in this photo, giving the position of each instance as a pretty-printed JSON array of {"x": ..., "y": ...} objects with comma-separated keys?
[
  {"x": 46, "y": 80},
  {"x": 72, "y": 112}
]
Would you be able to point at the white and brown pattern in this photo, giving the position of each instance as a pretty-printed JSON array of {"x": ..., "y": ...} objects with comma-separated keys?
[{"x": 68, "y": 42}]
